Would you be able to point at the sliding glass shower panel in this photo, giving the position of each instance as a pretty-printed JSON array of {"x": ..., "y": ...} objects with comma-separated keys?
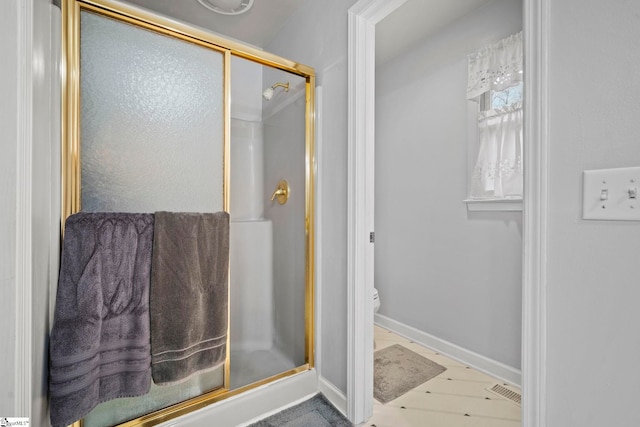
[
  {"x": 283, "y": 117},
  {"x": 152, "y": 139},
  {"x": 152, "y": 121},
  {"x": 268, "y": 237}
]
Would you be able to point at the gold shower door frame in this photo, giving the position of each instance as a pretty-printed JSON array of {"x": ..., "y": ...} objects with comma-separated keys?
[{"x": 71, "y": 146}]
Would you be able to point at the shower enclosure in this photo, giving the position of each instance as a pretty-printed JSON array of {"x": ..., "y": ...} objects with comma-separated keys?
[{"x": 161, "y": 116}]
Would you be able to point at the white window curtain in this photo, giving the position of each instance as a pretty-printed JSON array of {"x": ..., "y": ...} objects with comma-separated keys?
[
  {"x": 495, "y": 67},
  {"x": 498, "y": 170}
]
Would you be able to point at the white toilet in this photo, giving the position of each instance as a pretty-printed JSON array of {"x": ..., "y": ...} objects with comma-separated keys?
[
  {"x": 376, "y": 301},
  {"x": 376, "y": 307}
]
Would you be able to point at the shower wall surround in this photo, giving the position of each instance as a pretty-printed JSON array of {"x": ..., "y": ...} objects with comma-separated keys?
[{"x": 148, "y": 125}]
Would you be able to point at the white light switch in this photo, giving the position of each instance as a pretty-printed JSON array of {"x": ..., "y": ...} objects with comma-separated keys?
[{"x": 611, "y": 194}]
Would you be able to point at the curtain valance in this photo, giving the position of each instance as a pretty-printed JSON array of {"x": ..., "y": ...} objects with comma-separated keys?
[{"x": 495, "y": 67}]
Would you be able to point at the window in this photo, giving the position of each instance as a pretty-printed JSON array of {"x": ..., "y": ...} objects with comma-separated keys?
[
  {"x": 495, "y": 83},
  {"x": 495, "y": 99}
]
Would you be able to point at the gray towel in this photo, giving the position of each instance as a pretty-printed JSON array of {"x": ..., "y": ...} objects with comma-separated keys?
[
  {"x": 100, "y": 340},
  {"x": 188, "y": 296}
]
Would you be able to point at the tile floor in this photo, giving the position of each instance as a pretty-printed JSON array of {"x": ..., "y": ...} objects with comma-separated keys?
[{"x": 455, "y": 398}]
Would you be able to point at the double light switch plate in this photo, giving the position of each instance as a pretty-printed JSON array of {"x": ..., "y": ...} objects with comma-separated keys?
[{"x": 611, "y": 194}]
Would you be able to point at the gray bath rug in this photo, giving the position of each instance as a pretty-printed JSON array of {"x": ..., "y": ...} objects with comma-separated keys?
[
  {"x": 396, "y": 370},
  {"x": 315, "y": 412}
]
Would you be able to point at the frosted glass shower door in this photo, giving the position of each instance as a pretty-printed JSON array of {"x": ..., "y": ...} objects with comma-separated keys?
[
  {"x": 152, "y": 120},
  {"x": 151, "y": 139}
]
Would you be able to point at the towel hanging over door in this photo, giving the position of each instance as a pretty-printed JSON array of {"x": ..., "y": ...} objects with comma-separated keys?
[
  {"x": 100, "y": 340},
  {"x": 188, "y": 295}
]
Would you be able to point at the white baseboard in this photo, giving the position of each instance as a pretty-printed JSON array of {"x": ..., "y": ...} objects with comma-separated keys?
[
  {"x": 333, "y": 394},
  {"x": 468, "y": 357},
  {"x": 253, "y": 405}
]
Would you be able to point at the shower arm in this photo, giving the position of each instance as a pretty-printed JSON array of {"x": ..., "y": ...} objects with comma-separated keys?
[
  {"x": 282, "y": 85},
  {"x": 268, "y": 92}
]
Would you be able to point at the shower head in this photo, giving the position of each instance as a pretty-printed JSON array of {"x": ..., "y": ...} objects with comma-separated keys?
[{"x": 268, "y": 93}]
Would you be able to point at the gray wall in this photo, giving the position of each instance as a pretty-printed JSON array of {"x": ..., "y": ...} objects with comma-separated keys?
[
  {"x": 317, "y": 36},
  {"x": 592, "y": 319},
  {"x": 438, "y": 268}
]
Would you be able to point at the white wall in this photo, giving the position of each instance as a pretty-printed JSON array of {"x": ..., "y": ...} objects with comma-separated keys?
[
  {"x": 8, "y": 122},
  {"x": 246, "y": 89},
  {"x": 29, "y": 120},
  {"x": 450, "y": 273},
  {"x": 45, "y": 196},
  {"x": 316, "y": 35},
  {"x": 592, "y": 320}
]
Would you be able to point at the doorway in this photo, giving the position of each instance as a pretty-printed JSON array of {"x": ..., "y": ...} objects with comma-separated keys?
[
  {"x": 363, "y": 17},
  {"x": 448, "y": 271}
]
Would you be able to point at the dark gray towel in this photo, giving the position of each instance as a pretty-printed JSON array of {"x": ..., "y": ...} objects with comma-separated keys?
[
  {"x": 100, "y": 340},
  {"x": 188, "y": 297}
]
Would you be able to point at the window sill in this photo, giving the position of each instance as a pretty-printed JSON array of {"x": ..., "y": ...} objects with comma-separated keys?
[{"x": 483, "y": 205}]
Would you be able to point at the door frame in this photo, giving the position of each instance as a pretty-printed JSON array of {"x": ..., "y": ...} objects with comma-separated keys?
[{"x": 362, "y": 19}]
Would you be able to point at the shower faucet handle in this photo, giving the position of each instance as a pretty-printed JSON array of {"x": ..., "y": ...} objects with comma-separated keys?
[{"x": 281, "y": 193}]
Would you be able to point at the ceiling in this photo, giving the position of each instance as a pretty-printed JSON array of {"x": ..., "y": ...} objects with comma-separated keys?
[
  {"x": 415, "y": 20},
  {"x": 257, "y": 27}
]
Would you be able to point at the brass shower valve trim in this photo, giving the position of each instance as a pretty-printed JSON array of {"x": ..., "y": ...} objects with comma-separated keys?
[{"x": 281, "y": 194}]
